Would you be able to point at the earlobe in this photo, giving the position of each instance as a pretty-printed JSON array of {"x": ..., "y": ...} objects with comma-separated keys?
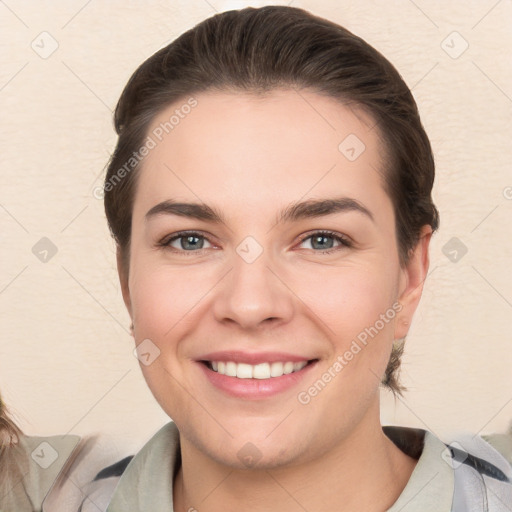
[{"x": 413, "y": 276}]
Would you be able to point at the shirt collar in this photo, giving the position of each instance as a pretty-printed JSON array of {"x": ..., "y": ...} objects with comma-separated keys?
[
  {"x": 147, "y": 483},
  {"x": 431, "y": 484}
]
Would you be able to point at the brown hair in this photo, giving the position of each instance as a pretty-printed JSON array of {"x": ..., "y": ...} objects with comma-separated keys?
[{"x": 258, "y": 50}]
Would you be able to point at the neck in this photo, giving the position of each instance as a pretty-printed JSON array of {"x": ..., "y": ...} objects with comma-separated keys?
[{"x": 364, "y": 471}]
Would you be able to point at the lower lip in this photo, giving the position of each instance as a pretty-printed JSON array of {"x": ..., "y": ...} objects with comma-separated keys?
[{"x": 254, "y": 389}]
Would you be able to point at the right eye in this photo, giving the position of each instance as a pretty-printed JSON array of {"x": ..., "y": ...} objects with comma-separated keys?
[{"x": 184, "y": 242}]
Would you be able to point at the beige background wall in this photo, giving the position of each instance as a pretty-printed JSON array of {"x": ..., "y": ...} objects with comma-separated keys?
[{"x": 66, "y": 362}]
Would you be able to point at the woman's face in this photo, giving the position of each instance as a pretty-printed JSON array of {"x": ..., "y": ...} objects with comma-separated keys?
[{"x": 241, "y": 282}]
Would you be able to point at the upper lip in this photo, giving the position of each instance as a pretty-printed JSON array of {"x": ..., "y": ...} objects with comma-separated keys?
[{"x": 253, "y": 358}]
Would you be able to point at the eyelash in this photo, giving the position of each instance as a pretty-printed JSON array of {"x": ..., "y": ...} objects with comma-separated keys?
[{"x": 344, "y": 241}]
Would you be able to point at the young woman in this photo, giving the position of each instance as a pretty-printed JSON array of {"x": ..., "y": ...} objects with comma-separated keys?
[{"x": 270, "y": 197}]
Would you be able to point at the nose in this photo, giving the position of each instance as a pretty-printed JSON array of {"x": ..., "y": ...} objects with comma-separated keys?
[{"x": 253, "y": 294}]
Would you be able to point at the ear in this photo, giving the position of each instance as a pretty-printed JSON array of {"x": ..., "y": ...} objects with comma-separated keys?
[
  {"x": 122, "y": 271},
  {"x": 413, "y": 276}
]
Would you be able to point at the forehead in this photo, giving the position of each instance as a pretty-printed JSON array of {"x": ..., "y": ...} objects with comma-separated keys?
[{"x": 247, "y": 150}]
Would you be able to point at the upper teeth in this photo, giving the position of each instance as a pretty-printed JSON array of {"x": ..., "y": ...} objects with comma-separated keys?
[{"x": 257, "y": 371}]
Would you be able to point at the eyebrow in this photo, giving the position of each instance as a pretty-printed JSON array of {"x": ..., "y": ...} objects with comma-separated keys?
[{"x": 311, "y": 208}]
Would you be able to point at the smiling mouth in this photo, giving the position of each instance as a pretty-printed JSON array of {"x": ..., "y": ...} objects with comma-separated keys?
[{"x": 256, "y": 371}]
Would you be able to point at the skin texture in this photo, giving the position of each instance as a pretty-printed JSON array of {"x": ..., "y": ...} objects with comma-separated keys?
[{"x": 249, "y": 157}]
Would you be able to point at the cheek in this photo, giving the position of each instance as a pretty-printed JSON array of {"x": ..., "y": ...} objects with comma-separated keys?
[
  {"x": 357, "y": 307},
  {"x": 163, "y": 299},
  {"x": 168, "y": 301},
  {"x": 350, "y": 299},
  {"x": 163, "y": 304}
]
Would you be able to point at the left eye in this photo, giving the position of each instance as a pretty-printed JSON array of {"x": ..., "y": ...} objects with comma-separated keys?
[{"x": 322, "y": 240}]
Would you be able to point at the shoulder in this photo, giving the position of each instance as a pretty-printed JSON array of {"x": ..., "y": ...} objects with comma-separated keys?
[
  {"x": 99, "y": 492},
  {"x": 145, "y": 484},
  {"x": 483, "y": 477},
  {"x": 90, "y": 455},
  {"x": 464, "y": 475},
  {"x": 502, "y": 443},
  {"x": 140, "y": 482},
  {"x": 35, "y": 468}
]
